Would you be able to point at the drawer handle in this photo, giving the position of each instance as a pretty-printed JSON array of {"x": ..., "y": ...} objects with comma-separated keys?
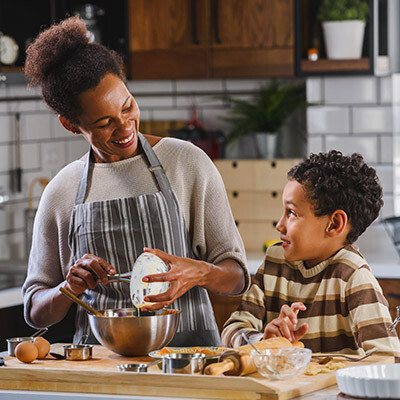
[
  {"x": 274, "y": 194},
  {"x": 234, "y": 164},
  {"x": 273, "y": 164},
  {"x": 235, "y": 194},
  {"x": 274, "y": 224},
  {"x": 394, "y": 295},
  {"x": 237, "y": 223}
]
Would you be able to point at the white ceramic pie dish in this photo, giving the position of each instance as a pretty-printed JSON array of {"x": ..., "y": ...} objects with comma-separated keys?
[{"x": 370, "y": 381}]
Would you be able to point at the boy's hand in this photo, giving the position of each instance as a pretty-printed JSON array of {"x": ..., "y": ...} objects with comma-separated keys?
[{"x": 285, "y": 324}]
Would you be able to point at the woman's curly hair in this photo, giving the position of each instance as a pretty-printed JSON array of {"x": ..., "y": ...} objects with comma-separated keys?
[
  {"x": 65, "y": 64},
  {"x": 333, "y": 181}
]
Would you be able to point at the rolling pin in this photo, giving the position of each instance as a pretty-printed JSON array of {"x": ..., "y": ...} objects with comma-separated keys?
[{"x": 240, "y": 363}]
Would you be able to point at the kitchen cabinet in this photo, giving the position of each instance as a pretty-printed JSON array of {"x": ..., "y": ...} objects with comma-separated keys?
[
  {"x": 24, "y": 20},
  {"x": 391, "y": 290},
  {"x": 176, "y": 39},
  {"x": 254, "y": 189}
]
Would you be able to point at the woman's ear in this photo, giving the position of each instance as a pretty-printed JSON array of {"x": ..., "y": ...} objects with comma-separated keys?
[
  {"x": 338, "y": 223},
  {"x": 68, "y": 125}
]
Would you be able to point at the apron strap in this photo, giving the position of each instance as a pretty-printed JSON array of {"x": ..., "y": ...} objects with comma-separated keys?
[
  {"x": 155, "y": 168},
  {"x": 82, "y": 190}
]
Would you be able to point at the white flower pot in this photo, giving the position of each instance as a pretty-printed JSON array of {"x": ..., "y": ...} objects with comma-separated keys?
[
  {"x": 343, "y": 39},
  {"x": 267, "y": 144}
]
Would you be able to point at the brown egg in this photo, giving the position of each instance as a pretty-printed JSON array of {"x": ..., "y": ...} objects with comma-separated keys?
[
  {"x": 26, "y": 352},
  {"x": 43, "y": 347}
]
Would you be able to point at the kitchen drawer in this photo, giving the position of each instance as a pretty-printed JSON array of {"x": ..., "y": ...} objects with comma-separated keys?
[
  {"x": 248, "y": 205},
  {"x": 256, "y": 233},
  {"x": 254, "y": 175}
]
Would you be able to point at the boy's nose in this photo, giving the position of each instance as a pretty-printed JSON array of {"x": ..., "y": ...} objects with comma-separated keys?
[{"x": 280, "y": 226}]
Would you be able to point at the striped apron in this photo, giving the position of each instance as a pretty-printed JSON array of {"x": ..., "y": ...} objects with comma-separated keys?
[{"x": 117, "y": 230}]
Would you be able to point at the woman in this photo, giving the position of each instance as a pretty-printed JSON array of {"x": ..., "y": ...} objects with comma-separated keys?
[{"x": 128, "y": 193}]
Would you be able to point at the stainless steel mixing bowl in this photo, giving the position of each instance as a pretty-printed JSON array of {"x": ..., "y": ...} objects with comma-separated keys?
[{"x": 123, "y": 332}]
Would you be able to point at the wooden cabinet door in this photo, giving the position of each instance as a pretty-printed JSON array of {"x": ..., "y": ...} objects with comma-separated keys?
[
  {"x": 252, "y": 38},
  {"x": 168, "y": 39}
]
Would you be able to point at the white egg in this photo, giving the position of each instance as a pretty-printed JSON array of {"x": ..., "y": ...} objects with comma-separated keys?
[{"x": 146, "y": 264}]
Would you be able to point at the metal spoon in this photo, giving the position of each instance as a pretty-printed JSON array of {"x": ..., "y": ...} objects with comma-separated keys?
[{"x": 392, "y": 327}]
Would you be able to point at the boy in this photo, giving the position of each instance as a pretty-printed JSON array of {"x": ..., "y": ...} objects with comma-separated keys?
[{"x": 316, "y": 272}]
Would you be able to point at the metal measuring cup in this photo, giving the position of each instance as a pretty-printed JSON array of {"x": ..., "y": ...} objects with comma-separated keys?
[{"x": 12, "y": 343}]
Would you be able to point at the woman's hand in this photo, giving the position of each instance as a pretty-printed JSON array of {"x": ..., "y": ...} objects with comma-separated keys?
[
  {"x": 184, "y": 273},
  {"x": 86, "y": 272},
  {"x": 285, "y": 324}
]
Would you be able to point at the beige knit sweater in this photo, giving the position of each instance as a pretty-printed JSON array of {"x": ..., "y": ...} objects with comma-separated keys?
[{"x": 194, "y": 179}]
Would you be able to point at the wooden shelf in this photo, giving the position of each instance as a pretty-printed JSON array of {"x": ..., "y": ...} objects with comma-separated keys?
[{"x": 325, "y": 65}]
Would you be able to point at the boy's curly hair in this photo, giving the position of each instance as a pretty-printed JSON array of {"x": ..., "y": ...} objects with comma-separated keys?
[{"x": 333, "y": 181}]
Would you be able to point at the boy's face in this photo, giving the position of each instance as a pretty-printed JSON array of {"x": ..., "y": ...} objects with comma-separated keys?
[{"x": 303, "y": 234}]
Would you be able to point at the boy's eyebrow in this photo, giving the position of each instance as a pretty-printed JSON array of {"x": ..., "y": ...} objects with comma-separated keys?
[{"x": 106, "y": 116}]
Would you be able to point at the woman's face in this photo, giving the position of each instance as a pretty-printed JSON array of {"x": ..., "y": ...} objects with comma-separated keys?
[{"x": 109, "y": 120}]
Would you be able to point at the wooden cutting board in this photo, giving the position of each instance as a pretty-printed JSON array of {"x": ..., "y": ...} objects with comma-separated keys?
[{"x": 101, "y": 375}]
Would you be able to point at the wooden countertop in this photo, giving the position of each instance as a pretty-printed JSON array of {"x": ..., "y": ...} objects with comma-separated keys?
[{"x": 100, "y": 375}]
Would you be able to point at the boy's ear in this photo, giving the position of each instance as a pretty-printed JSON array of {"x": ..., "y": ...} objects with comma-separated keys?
[
  {"x": 337, "y": 223},
  {"x": 68, "y": 125}
]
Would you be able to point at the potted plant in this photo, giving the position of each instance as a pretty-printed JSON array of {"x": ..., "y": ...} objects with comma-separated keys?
[
  {"x": 343, "y": 24},
  {"x": 260, "y": 119}
]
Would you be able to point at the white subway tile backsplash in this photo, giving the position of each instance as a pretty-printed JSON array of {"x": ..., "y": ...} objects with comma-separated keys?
[
  {"x": 198, "y": 101},
  {"x": 195, "y": 86},
  {"x": 315, "y": 144},
  {"x": 314, "y": 90},
  {"x": 150, "y": 87},
  {"x": 53, "y": 155},
  {"x": 6, "y": 129},
  {"x": 328, "y": 120},
  {"x": 239, "y": 85},
  {"x": 5, "y": 161},
  {"x": 366, "y": 146},
  {"x": 35, "y": 126},
  {"x": 372, "y": 119},
  {"x": 30, "y": 155},
  {"x": 154, "y": 101},
  {"x": 76, "y": 149},
  {"x": 386, "y": 146},
  {"x": 388, "y": 206},
  {"x": 396, "y": 89},
  {"x": 385, "y": 175},
  {"x": 173, "y": 114},
  {"x": 385, "y": 89},
  {"x": 57, "y": 130},
  {"x": 212, "y": 118},
  {"x": 350, "y": 90}
]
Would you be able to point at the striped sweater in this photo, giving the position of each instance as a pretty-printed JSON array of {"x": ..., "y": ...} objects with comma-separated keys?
[{"x": 346, "y": 310}]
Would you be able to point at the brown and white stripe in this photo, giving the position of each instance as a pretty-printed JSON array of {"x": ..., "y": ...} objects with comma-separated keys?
[{"x": 346, "y": 310}]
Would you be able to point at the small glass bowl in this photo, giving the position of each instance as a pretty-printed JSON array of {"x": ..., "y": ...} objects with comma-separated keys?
[{"x": 282, "y": 363}]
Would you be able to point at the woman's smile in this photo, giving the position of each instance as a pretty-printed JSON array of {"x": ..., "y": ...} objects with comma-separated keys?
[{"x": 125, "y": 142}]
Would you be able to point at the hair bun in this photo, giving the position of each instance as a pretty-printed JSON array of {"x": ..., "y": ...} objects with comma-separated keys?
[{"x": 52, "y": 47}]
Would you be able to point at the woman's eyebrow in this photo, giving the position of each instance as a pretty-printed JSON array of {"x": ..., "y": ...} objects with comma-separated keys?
[{"x": 107, "y": 116}]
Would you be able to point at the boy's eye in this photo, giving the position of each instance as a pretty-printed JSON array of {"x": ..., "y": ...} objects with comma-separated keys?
[{"x": 291, "y": 212}]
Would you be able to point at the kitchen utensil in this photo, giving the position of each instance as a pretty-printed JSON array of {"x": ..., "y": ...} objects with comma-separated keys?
[
  {"x": 78, "y": 352},
  {"x": 145, "y": 264},
  {"x": 80, "y": 302},
  {"x": 392, "y": 327},
  {"x": 12, "y": 343},
  {"x": 240, "y": 363},
  {"x": 267, "y": 365},
  {"x": 183, "y": 363},
  {"x": 370, "y": 381},
  {"x": 345, "y": 356},
  {"x": 123, "y": 332},
  {"x": 137, "y": 367},
  {"x": 283, "y": 363},
  {"x": 209, "y": 351}
]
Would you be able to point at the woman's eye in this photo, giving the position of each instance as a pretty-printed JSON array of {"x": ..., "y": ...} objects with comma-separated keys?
[
  {"x": 104, "y": 125},
  {"x": 128, "y": 109}
]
